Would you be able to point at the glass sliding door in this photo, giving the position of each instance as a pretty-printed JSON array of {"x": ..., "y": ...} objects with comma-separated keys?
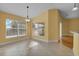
[{"x": 15, "y": 28}]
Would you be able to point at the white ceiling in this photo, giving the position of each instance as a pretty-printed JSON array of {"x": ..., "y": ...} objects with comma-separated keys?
[
  {"x": 17, "y": 9},
  {"x": 36, "y": 8}
]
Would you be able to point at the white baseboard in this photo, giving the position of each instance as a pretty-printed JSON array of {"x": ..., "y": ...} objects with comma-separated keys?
[
  {"x": 8, "y": 42},
  {"x": 43, "y": 40},
  {"x": 53, "y": 41},
  {"x": 4, "y": 43},
  {"x": 48, "y": 41}
]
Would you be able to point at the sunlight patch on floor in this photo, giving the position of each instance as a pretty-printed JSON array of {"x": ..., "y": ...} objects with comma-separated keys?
[{"x": 33, "y": 44}]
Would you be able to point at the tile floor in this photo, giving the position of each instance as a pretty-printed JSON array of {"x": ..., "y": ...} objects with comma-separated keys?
[{"x": 35, "y": 48}]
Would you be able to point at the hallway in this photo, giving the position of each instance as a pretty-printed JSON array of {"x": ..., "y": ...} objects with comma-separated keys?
[{"x": 34, "y": 48}]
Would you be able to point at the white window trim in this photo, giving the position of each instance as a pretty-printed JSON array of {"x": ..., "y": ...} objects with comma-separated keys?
[
  {"x": 15, "y": 36},
  {"x": 18, "y": 27}
]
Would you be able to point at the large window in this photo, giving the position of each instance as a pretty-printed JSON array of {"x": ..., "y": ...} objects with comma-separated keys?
[
  {"x": 15, "y": 28},
  {"x": 39, "y": 29}
]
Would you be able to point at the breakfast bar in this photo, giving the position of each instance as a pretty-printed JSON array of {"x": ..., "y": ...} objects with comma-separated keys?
[{"x": 76, "y": 43}]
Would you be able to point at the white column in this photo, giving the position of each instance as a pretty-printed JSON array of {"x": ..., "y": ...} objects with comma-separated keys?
[{"x": 76, "y": 44}]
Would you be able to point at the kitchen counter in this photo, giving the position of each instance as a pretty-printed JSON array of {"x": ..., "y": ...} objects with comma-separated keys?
[{"x": 76, "y": 43}]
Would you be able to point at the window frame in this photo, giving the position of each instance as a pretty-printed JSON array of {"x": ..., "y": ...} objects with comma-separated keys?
[{"x": 18, "y": 28}]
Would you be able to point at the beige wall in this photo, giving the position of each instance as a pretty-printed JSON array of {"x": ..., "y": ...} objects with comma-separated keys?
[
  {"x": 65, "y": 27},
  {"x": 74, "y": 25},
  {"x": 53, "y": 24},
  {"x": 29, "y": 29},
  {"x": 70, "y": 25},
  {"x": 51, "y": 20},
  {"x": 42, "y": 18}
]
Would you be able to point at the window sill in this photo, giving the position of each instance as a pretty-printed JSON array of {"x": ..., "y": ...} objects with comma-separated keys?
[{"x": 14, "y": 36}]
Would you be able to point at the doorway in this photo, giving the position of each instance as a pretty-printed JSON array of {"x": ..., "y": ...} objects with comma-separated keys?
[{"x": 60, "y": 31}]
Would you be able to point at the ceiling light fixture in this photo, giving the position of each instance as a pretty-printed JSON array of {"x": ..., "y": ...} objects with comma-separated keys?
[
  {"x": 75, "y": 7},
  {"x": 27, "y": 19}
]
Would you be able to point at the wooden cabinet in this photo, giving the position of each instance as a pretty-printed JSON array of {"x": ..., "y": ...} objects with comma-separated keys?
[{"x": 68, "y": 41}]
